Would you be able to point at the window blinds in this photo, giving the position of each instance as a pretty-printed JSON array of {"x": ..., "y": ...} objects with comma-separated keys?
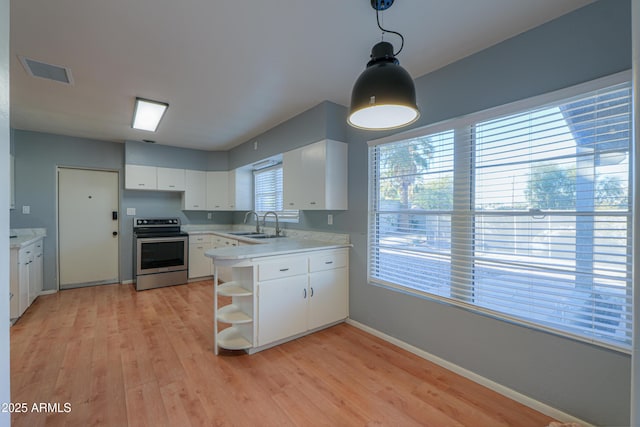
[
  {"x": 525, "y": 216},
  {"x": 268, "y": 189}
]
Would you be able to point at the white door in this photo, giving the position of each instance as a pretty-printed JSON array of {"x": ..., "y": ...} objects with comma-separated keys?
[{"x": 87, "y": 227}]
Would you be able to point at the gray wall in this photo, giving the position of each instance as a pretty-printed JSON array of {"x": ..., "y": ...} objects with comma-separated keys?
[
  {"x": 39, "y": 154},
  {"x": 324, "y": 121},
  {"x": 5, "y": 385},
  {"x": 141, "y": 153},
  {"x": 586, "y": 381}
]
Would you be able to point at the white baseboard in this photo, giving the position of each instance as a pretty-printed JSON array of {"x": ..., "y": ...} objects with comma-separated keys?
[
  {"x": 48, "y": 292},
  {"x": 127, "y": 282},
  {"x": 498, "y": 388}
]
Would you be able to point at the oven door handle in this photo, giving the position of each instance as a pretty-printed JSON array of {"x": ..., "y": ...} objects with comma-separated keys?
[{"x": 162, "y": 239}]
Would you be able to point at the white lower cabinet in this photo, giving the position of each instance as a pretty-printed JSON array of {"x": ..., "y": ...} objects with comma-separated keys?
[
  {"x": 200, "y": 265},
  {"x": 291, "y": 296},
  {"x": 26, "y": 277},
  {"x": 283, "y": 297},
  {"x": 36, "y": 271},
  {"x": 328, "y": 297}
]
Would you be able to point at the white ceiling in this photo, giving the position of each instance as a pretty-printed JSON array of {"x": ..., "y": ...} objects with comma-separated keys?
[{"x": 230, "y": 70}]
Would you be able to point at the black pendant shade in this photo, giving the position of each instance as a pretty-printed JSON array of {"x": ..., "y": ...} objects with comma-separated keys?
[{"x": 384, "y": 96}]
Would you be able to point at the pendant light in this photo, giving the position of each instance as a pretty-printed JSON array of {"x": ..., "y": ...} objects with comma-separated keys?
[{"x": 384, "y": 96}]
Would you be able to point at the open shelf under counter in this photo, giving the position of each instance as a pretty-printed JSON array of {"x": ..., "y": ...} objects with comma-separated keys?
[
  {"x": 233, "y": 289},
  {"x": 233, "y": 314},
  {"x": 232, "y": 339}
]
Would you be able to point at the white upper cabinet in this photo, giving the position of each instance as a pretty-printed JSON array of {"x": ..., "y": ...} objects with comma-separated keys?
[
  {"x": 138, "y": 177},
  {"x": 170, "y": 179},
  {"x": 230, "y": 191},
  {"x": 241, "y": 189},
  {"x": 195, "y": 191},
  {"x": 217, "y": 191},
  {"x": 315, "y": 176}
]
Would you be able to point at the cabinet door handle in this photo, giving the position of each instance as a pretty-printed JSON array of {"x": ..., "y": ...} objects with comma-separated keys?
[
  {"x": 313, "y": 203},
  {"x": 305, "y": 293},
  {"x": 328, "y": 262},
  {"x": 285, "y": 269},
  {"x": 312, "y": 291}
]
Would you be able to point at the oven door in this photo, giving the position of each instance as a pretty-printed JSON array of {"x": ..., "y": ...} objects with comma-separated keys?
[{"x": 161, "y": 254}]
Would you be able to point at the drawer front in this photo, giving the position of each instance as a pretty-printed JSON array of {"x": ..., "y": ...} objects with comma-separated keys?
[
  {"x": 328, "y": 260},
  {"x": 220, "y": 242},
  {"x": 199, "y": 238},
  {"x": 269, "y": 270}
]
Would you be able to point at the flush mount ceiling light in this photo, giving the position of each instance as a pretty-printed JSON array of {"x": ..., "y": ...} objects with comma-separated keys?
[
  {"x": 147, "y": 114},
  {"x": 384, "y": 96}
]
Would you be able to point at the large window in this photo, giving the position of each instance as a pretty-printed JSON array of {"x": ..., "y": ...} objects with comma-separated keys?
[{"x": 525, "y": 215}]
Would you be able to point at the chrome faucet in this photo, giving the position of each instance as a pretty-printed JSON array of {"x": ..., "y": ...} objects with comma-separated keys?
[
  {"x": 264, "y": 221},
  {"x": 257, "y": 219}
]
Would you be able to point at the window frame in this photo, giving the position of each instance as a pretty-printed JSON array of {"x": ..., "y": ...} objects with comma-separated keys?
[{"x": 467, "y": 213}]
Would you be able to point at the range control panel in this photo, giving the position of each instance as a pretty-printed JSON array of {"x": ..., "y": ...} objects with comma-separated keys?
[{"x": 156, "y": 222}]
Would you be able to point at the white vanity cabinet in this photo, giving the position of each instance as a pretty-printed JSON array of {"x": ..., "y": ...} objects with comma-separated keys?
[
  {"x": 292, "y": 295},
  {"x": 315, "y": 176}
]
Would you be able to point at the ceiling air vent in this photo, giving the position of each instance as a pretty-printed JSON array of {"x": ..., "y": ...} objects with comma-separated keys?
[{"x": 47, "y": 71}]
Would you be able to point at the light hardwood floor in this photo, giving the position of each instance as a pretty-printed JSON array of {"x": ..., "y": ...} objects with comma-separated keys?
[{"x": 122, "y": 357}]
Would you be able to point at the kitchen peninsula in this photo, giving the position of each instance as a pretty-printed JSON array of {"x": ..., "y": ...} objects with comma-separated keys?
[{"x": 280, "y": 290}]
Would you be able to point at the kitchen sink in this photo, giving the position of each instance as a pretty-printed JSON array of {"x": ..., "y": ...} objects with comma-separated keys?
[
  {"x": 245, "y": 233},
  {"x": 265, "y": 236}
]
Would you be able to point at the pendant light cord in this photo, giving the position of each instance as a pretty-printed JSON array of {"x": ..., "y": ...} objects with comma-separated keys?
[{"x": 389, "y": 31}]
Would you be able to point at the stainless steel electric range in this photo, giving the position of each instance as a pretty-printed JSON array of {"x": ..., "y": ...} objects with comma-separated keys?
[{"x": 160, "y": 253}]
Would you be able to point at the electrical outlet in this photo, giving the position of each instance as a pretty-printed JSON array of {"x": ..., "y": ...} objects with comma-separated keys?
[
  {"x": 26, "y": 210},
  {"x": 209, "y": 215},
  {"x": 330, "y": 219},
  {"x": 131, "y": 211}
]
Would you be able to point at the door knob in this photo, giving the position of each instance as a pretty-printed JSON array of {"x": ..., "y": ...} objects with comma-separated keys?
[{"x": 115, "y": 233}]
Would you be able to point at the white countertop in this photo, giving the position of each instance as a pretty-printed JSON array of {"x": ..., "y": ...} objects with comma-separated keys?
[
  {"x": 273, "y": 247},
  {"x": 307, "y": 240},
  {"x": 25, "y": 236},
  {"x": 227, "y": 233}
]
